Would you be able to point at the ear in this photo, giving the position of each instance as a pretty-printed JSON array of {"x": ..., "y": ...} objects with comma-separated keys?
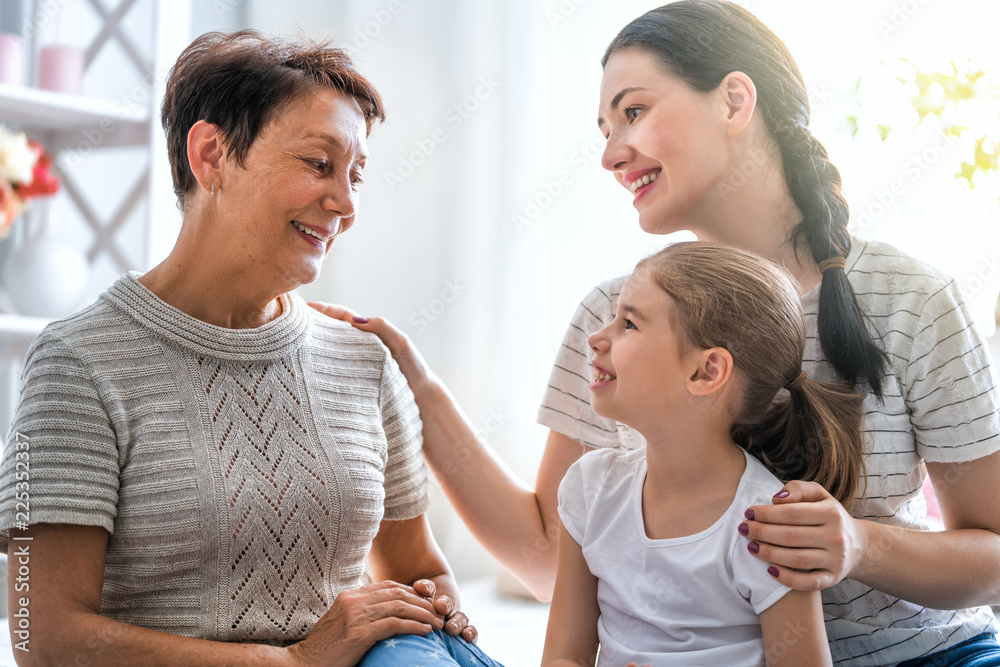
[
  {"x": 740, "y": 96},
  {"x": 712, "y": 370},
  {"x": 205, "y": 152}
]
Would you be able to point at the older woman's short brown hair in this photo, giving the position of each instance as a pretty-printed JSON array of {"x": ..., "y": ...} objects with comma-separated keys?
[{"x": 240, "y": 80}]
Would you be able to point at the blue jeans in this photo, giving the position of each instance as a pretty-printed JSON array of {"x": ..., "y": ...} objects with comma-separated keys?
[
  {"x": 438, "y": 646},
  {"x": 980, "y": 651}
]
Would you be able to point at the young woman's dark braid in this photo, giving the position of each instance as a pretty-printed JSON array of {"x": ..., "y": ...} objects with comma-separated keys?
[
  {"x": 815, "y": 184},
  {"x": 702, "y": 41}
]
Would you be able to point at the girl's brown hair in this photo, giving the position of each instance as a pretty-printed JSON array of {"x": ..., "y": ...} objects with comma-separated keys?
[{"x": 730, "y": 298}]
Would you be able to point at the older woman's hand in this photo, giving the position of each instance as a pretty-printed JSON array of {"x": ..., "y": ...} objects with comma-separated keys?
[
  {"x": 361, "y": 617},
  {"x": 457, "y": 623},
  {"x": 418, "y": 375}
]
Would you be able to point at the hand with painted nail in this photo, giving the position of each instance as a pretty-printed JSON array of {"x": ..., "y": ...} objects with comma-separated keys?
[
  {"x": 808, "y": 538},
  {"x": 455, "y": 622}
]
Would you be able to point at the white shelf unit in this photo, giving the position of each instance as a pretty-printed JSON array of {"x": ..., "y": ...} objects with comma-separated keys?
[{"x": 61, "y": 121}]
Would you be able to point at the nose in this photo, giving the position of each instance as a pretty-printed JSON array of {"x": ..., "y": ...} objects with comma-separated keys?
[
  {"x": 616, "y": 153},
  {"x": 341, "y": 200},
  {"x": 598, "y": 341}
]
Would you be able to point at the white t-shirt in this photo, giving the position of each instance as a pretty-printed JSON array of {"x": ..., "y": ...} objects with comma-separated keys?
[
  {"x": 941, "y": 404},
  {"x": 690, "y": 600}
]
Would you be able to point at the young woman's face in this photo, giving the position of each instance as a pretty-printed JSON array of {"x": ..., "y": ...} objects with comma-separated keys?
[
  {"x": 658, "y": 127},
  {"x": 641, "y": 361}
]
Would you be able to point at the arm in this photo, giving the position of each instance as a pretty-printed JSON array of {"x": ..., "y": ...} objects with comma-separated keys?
[
  {"x": 66, "y": 564},
  {"x": 571, "y": 636},
  {"x": 953, "y": 569},
  {"x": 63, "y": 596},
  {"x": 794, "y": 633},
  {"x": 406, "y": 552},
  {"x": 518, "y": 526}
]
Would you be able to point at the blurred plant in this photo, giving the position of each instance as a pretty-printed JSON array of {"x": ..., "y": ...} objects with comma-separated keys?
[
  {"x": 25, "y": 173},
  {"x": 964, "y": 102}
]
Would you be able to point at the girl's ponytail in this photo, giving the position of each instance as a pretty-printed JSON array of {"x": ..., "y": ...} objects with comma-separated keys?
[{"x": 815, "y": 436}]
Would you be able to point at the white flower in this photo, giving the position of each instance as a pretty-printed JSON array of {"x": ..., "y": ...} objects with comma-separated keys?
[{"x": 17, "y": 158}]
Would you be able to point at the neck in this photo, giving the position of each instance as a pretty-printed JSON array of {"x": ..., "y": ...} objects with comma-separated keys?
[
  {"x": 214, "y": 287},
  {"x": 691, "y": 457},
  {"x": 757, "y": 212}
]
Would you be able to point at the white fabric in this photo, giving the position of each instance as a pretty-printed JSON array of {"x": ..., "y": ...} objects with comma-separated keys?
[
  {"x": 690, "y": 600},
  {"x": 941, "y": 404}
]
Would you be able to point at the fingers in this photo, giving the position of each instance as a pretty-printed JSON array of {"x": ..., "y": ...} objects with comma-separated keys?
[
  {"x": 470, "y": 634},
  {"x": 814, "y": 580},
  {"x": 458, "y": 622},
  {"x": 815, "y": 512},
  {"x": 333, "y": 310},
  {"x": 425, "y": 587}
]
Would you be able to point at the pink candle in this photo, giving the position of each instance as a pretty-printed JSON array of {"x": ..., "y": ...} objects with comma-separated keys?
[
  {"x": 61, "y": 69},
  {"x": 11, "y": 59}
]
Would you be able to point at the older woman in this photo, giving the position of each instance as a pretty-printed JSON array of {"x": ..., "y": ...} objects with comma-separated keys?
[{"x": 200, "y": 465}]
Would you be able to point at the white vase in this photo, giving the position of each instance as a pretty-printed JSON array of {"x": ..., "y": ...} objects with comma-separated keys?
[{"x": 43, "y": 275}]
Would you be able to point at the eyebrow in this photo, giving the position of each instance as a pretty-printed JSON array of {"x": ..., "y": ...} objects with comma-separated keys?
[
  {"x": 616, "y": 100},
  {"x": 630, "y": 310},
  {"x": 337, "y": 142}
]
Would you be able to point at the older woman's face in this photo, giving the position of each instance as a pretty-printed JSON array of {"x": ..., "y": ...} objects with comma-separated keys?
[{"x": 299, "y": 188}]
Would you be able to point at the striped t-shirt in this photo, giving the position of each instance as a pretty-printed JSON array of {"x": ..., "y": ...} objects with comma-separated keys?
[{"x": 941, "y": 404}]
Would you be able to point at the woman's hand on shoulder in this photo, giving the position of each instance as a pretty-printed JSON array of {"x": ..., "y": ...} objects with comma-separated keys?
[
  {"x": 807, "y": 536},
  {"x": 418, "y": 375},
  {"x": 359, "y": 618}
]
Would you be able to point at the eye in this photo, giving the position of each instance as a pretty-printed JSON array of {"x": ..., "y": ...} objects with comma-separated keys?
[
  {"x": 356, "y": 179},
  {"x": 319, "y": 165},
  {"x": 631, "y": 113},
  {"x": 627, "y": 324}
]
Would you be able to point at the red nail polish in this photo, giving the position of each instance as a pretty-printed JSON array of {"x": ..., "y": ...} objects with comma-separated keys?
[
  {"x": 753, "y": 547},
  {"x": 744, "y": 529},
  {"x": 773, "y": 571},
  {"x": 360, "y": 320},
  {"x": 748, "y": 514},
  {"x": 781, "y": 494}
]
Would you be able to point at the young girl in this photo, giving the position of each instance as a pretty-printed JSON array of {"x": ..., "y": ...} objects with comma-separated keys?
[{"x": 651, "y": 564}]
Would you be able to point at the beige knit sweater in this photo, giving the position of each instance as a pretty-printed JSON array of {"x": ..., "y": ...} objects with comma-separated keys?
[{"x": 242, "y": 474}]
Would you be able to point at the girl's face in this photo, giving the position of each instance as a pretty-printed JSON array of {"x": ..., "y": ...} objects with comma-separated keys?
[
  {"x": 641, "y": 361},
  {"x": 667, "y": 142}
]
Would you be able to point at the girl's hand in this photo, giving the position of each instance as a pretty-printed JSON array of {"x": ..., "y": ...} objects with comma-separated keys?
[
  {"x": 632, "y": 664},
  {"x": 456, "y": 622},
  {"x": 418, "y": 375},
  {"x": 808, "y": 537}
]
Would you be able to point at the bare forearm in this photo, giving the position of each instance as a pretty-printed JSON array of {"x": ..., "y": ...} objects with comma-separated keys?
[
  {"x": 952, "y": 569},
  {"x": 499, "y": 509},
  {"x": 88, "y": 638}
]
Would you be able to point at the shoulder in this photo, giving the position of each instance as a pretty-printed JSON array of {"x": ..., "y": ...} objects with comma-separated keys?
[
  {"x": 881, "y": 265},
  {"x": 599, "y": 468},
  {"x": 343, "y": 340},
  {"x": 605, "y": 295},
  {"x": 97, "y": 326},
  {"x": 758, "y": 484}
]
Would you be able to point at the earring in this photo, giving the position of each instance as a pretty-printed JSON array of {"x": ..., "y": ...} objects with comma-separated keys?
[{"x": 213, "y": 187}]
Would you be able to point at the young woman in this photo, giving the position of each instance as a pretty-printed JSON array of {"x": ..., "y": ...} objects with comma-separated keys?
[
  {"x": 651, "y": 564},
  {"x": 693, "y": 94}
]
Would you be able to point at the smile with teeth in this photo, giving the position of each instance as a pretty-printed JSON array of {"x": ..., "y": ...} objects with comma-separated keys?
[
  {"x": 602, "y": 377},
  {"x": 645, "y": 180},
  {"x": 305, "y": 230}
]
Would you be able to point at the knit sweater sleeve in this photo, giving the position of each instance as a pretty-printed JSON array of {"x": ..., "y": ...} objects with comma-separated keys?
[
  {"x": 61, "y": 461},
  {"x": 405, "y": 473}
]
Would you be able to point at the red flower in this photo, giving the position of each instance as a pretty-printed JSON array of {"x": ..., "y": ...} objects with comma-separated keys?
[
  {"x": 10, "y": 207},
  {"x": 43, "y": 181}
]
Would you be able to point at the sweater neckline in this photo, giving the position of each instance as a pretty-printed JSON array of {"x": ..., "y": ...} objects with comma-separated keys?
[{"x": 273, "y": 340}]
